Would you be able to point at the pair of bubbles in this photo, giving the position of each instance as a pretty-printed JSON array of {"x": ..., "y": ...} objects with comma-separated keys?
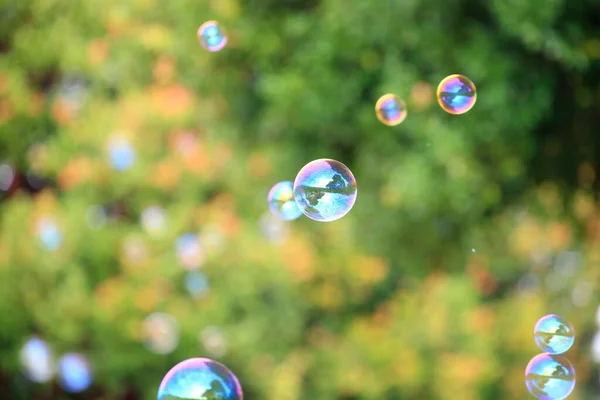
[
  {"x": 39, "y": 365},
  {"x": 550, "y": 375},
  {"x": 324, "y": 190}
]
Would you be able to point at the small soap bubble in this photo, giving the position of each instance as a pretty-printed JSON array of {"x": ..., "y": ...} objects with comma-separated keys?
[
  {"x": 153, "y": 220},
  {"x": 190, "y": 251},
  {"x": 282, "y": 203},
  {"x": 473, "y": 250},
  {"x": 121, "y": 153},
  {"x": 554, "y": 334},
  {"x": 390, "y": 110},
  {"x": 214, "y": 341},
  {"x": 550, "y": 377},
  {"x": 456, "y": 94},
  {"x": 49, "y": 234},
  {"x": 196, "y": 284},
  {"x": 74, "y": 373},
  {"x": 598, "y": 316},
  {"x": 37, "y": 360},
  {"x": 160, "y": 333},
  {"x": 199, "y": 379},
  {"x": 7, "y": 176},
  {"x": 211, "y": 36},
  {"x": 325, "y": 190}
]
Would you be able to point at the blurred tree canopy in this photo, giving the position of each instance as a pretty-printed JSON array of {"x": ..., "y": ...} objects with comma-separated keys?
[{"x": 428, "y": 289}]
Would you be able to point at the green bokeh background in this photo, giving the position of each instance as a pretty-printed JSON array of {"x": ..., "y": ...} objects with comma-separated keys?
[{"x": 428, "y": 289}]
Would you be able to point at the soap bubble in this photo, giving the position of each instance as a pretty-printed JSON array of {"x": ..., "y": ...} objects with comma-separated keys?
[
  {"x": 456, "y": 94},
  {"x": 196, "y": 283},
  {"x": 37, "y": 360},
  {"x": 74, "y": 373},
  {"x": 282, "y": 203},
  {"x": 595, "y": 347},
  {"x": 211, "y": 36},
  {"x": 325, "y": 190},
  {"x": 554, "y": 334},
  {"x": 390, "y": 110},
  {"x": 153, "y": 220},
  {"x": 161, "y": 333},
  {"x": 550, "y": 377},
  {"x": 214, "y": 341},
  {"x": 121, "y": 153},
  {"x": 49, "y": 234},
  {"x": 199, "y": 379},
  {"x": 190, "y": 251}
]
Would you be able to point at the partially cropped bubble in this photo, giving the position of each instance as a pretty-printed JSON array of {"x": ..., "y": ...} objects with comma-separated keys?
[
  {"x": 200, "y": 379},
  {"x": 153, "y": 220},
  {"x": 74, "y": 373},
  {"x": 211, "y": 36},
  {"x": 273, "y": 229},
  {"x": 550, "y": 377},
  {"x": 190, "y": 251},
  {"x": 214, "y": 341},
  {"x": 595, "y": 347},
  {"x": 554, "y": 334},
  {"x": 161, "y": 333},
  {"x": 37, "y": 360},
  {"x": 7, "y": 176},
  {"x": 325, "y": 190},
  {"x": 49, "y": 233},
  {"x": 121, "y": 153},
  {"x": 390, "y": 110},
  {"x": 282, "y": 203},
  {"x": 196, "y": 284},
  {"x": 456, "y": 94}
]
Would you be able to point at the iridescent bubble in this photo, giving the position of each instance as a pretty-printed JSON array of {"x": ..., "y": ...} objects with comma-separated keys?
[
  {"x": 74, "y": 373},
  {"x": 554, "y": 334},
  {"x": 200, "y": 379},
  {"x": 196, "y": 283},
  {"x": 550, "y": 377},
  {"x": 214, "y": 341},
  {"x": 282, "y": 203},
  {"x": 211, "y": 36},
  {"x": 37, "y": 360},
  {"x": 161, "y": 333},
  {"x": 153, "y": 219},
  {"x": 325, "y": 190},
  {"x": 121, "y": 153},
  {"x": 49, "y": 234},
  {"x": 456, "y": 94},
  {"x": 190, "y": 251},
  {"x": 390, "y": 110}
]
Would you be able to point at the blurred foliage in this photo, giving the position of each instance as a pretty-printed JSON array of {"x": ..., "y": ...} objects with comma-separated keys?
[{"x": 428, "y": 289}]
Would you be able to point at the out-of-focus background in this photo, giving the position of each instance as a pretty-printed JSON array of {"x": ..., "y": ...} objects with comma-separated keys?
[{"x": 134, "y": 169}]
